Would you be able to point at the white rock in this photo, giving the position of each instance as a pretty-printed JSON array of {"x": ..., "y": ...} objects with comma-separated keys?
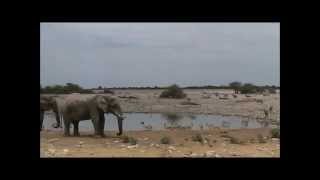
[
  {"x": 157, "y": 145},
  {"x": 142, "y": 151},
  {"x": 116, "y": 141},
  {"x": 81, "y": 142},
  {"x": 65, "y": 150},
  {"x": 51, "y": 151},
  {"x": 122, "y": 145},
  {"x": 169, "y": 151},
  {"x": 145, "y": 139},
  {"x": 217, "y": 155},
  {"x": 133, "y": 146},
  {"x": 172, "y": 148},
  {"x": 151, "y": 145},
  {"x": 194, "y": 155}
]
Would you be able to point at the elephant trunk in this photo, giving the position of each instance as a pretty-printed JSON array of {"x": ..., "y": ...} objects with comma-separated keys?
[{"x": 120, "y": 118}]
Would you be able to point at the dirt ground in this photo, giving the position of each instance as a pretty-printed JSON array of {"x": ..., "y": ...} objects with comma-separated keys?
[{"x": 218, "y": 142}]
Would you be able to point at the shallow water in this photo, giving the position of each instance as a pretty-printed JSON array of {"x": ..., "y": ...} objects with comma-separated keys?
[{"x": 160, "y": 121}]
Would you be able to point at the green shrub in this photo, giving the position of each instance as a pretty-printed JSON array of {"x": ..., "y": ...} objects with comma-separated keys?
[
  {"x": 173, "y": 91},
  {"x": 131, "y": 140},
  {"x": 272, "y": 91},
  {"x": 235, "y": 140},
  {"x": 275, "y": 133},
  {"x": 198, "y": 138},
  {"x": 165, "y": 140},
  {"x": 248, "y": 89},
  {"x": 261, "y": 139}
]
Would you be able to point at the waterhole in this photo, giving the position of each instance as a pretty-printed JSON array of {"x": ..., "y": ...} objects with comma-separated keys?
[{"x": 161, "y": 121}]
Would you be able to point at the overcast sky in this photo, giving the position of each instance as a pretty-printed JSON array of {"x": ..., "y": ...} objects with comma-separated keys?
[{"x": 149, "y": 54}]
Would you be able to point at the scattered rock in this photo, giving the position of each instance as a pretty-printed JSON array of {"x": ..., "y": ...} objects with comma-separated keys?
[
  {"x": 53, "y": 140},
  {"x": 81, "y": 142},
  {"x": 122, "y": 145},
  {"x": 157, "y": 145},
  {"x": 151, "y": 145},
  {"x": 209, "y": 153},
  {"x": 142, "y": 151},
  {"x": 51, "y": 151},
  {"x": 275, "y": 140},
  {"x": 194, "y": 155},
  {"x": 133, "y": 146},
  {"x": 260, "y": 149},
  {"x": 146, "y": 139},
  {"x": 217, "y": 155},
  {"x": 169, "y": 151},
  {"x": 116, "y": 141},
  {"x": 172, "y": 148}
]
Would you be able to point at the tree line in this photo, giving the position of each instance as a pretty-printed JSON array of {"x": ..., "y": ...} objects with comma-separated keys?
[{"x": 238, "y": 87}]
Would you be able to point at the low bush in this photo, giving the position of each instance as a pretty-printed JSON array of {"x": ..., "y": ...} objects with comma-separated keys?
[
  {"x": 165, "y": 140},
  {"x": 275, "y": 133},
  {"x": 173, "y": 91}
]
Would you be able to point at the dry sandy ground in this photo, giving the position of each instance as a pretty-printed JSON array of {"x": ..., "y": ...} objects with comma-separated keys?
[
  {"x": 53, "y": 144},
  {"x": 217, "y": 144}
]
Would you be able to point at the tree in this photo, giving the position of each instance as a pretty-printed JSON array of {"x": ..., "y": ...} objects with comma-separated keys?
[
  {"x": 173, "y": 91},
  {"x": 248, "y": 88},
  {"x": 235, "y": 86}
]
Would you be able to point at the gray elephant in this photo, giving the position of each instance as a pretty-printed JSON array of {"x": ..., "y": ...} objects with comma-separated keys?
[
  {"x": 77, "y": 108},
  {"x": 46, "y": 104}
]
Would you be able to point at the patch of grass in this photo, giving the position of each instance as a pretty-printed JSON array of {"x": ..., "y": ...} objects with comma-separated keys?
[
  {"x": 261, "y": 139},
  {"x": 165, "y": 140},
  {"x": 198, "y": 138},
  {"x": 275, "y": 133},
  {"x": 125, "y": 139},
  {"x": 225, "y": 136},
  {"x": 131, "y": 140}
]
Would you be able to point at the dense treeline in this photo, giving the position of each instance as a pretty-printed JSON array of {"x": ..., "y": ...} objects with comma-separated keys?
[{"x": 238, "y": 87}]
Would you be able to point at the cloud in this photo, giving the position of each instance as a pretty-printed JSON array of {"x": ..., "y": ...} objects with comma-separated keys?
[{"x": 122, "y": 54}]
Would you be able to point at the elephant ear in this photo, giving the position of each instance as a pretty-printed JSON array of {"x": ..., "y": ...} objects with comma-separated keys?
[{"x": 101, "y": 102}]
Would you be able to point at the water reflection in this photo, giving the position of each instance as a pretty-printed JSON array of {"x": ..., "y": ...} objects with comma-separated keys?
[
  {"x": 158, "y": 121},
  {"x": 264, "y": 123},
  {"x": 225, "y": 124},
  {"x": 244, "y": 123}
]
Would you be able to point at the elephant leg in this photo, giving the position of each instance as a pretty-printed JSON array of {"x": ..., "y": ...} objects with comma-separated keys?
[
  {"x": 101, "y": 124},
  {"x": 76, "y": 128},
  {"x": 41, "y": 119},
  {"x": 95, "y": 126},
  {"x": 119, "y": 126},
  {"x": 66, "y": 128},
  {"x": 58, "y": 124}
]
